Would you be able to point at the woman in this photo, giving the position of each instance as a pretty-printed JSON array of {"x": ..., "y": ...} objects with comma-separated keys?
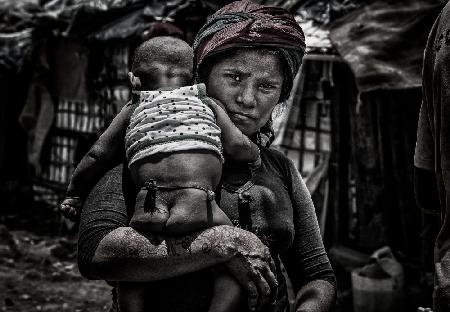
[{"x": 247, "y": 55}]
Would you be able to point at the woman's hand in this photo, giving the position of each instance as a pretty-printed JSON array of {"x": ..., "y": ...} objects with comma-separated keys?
[
  {"x": 254, "y": 269},
  {"x": 257, "y": 278}
]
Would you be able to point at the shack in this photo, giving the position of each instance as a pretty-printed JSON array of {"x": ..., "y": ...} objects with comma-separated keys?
[{"x": 350, "y": 124}]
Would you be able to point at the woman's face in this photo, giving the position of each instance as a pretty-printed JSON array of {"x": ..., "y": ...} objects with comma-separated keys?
[{"x": 249, "y": 86}]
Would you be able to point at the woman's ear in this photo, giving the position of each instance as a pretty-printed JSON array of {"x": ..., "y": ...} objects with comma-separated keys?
[{"x": 134, "y": 81}]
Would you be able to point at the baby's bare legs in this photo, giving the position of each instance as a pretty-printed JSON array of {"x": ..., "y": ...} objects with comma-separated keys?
[
  {"x": 154, "y": 220},
  {"x": 228, "y": 295},
  {"x": 131, "y": 296},
  {"x": 178, "y": 211},
  {"x": 177, "y": 201},
  {"x": 193, "y": 210}
]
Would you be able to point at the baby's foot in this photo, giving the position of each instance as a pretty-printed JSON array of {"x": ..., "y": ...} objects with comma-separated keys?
[{"x": 71, "y": 208}]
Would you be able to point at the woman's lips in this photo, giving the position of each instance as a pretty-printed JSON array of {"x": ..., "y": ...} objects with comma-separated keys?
[{"x": 242, "y": 116}]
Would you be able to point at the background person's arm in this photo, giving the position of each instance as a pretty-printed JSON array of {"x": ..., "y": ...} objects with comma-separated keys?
[
  {"x": 426, "y": 191},
  {"x": 306, "y": 261}
]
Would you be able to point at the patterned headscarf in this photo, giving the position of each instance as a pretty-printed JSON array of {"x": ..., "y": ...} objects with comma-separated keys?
[{"x": 246, "y": 24}]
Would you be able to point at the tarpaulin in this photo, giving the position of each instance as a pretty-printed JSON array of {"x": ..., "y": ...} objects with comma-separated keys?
[
  {"x": 315, "y": 16},
  {"x": 24, "y": 23},
  {"x": 383, "y": 42},
  {"x": 16, "y": 27}
]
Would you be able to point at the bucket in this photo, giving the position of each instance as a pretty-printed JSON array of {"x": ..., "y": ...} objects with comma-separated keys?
[{"x": 378, "y": 286}]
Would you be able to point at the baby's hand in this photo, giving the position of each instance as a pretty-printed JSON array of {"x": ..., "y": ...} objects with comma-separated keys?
[
  {"x": 134, "y": 81},
  {"x": 213, "y": 103},
  {"x": 71, "y": 208}
]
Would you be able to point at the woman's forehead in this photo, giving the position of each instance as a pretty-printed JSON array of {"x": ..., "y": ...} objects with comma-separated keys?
[{"x": 253, "y": 61}]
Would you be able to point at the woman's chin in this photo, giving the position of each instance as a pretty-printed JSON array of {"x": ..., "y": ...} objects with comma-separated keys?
[{"x": 244, "y": 123}]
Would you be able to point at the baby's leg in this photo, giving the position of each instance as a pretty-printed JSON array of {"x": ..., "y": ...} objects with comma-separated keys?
[
  {"x": 228, "y": 296},
  {"x": 194, "y": 209},
  {"x": 131, "y": 297},
  {"x": 150, "y": 216}
]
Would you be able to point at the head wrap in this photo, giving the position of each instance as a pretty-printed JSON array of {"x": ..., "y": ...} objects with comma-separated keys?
[{"x": 244, "y": 24}]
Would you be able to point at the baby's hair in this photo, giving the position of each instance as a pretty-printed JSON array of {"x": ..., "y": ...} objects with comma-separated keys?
[{"x": 164, "y": 49}]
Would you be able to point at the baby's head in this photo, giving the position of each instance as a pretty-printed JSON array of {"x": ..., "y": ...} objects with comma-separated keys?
[{"x": 163, "y": 62}]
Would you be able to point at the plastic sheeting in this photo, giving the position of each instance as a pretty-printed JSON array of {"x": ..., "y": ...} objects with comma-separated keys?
[
  {"x": 315, "y": 17},
  {"x": 17, "y": 21},
  {"x": 24, "y": 23},
  {"x": 383, "y": 42}
]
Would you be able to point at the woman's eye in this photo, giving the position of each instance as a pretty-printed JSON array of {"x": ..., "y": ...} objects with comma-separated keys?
[
  {"x": 266, "y": 86},
  {"x": 234, "y": 77}
]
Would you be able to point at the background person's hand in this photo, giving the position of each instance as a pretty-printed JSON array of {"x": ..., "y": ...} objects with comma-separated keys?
[
  {"x": 254, "y": 269},
  {"x": 420, "y": 309}
]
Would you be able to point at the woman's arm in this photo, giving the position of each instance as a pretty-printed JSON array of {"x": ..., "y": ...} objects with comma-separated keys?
[
  {"x": 108, "y": 249},
  {"x": 127, "y": 255},
  {"x": 306, "y": 261},
  {"x": 317, "y": 295}
]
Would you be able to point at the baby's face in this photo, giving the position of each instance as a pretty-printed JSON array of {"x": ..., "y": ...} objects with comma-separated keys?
[{"x": 155, "y": 75}]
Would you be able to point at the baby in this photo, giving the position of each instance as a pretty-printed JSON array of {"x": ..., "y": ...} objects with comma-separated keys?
[{"x": 173, "y": 142}]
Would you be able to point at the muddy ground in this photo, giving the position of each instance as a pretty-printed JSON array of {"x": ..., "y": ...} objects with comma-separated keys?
[{"x": 38, "y": 272}]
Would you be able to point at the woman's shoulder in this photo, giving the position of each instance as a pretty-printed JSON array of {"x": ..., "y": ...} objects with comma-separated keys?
[
  {"x": 275, "y": 156},
  {"x": 276, "y": 161}
]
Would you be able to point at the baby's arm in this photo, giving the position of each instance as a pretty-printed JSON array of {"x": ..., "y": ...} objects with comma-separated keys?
[
  {"x": 106, "y": 153},
  {"x": 235, "y": 144}
]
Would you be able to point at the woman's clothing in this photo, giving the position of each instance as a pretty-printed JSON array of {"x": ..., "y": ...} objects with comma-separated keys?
[
  {"x": 281, "y": 214},
  {"x": 272, "y": 201}
]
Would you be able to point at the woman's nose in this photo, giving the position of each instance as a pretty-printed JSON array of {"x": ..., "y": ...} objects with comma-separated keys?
[{"x": 247, "y": 96}]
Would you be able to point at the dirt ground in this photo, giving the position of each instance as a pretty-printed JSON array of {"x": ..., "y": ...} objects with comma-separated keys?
[{"x": 39, "y": 273}]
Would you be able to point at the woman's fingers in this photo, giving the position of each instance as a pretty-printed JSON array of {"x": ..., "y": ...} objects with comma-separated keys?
[
  {"x": 252, "y": 293},
  {"x": 273, "y": 268},
  {"x": 256, "y": 277},
  {"x": 243, "y": 272},
  {"x": 263, "y": 289},
  {"x": 271, "y": 279}
]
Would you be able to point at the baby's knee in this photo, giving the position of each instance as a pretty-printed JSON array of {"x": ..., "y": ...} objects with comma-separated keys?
[
  {"x": 130, "y": 297},
  {"x": 224, "y": 282},
  {"x": 228, "y": 294}
]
